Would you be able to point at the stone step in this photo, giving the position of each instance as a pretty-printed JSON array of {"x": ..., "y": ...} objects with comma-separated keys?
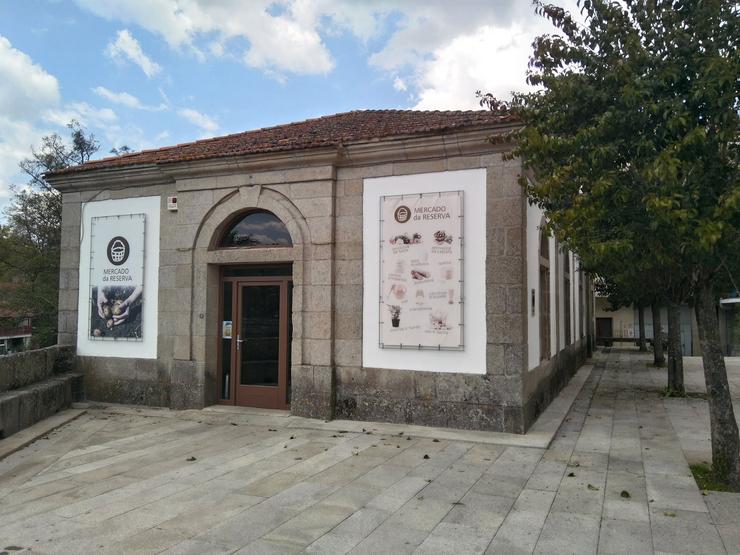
[{"x": 23, "y": 407}]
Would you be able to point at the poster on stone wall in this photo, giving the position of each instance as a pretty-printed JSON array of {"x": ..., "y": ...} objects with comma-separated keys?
[
  {"x": 421, "y": 265},
  {"x": 117, "y": 277}
]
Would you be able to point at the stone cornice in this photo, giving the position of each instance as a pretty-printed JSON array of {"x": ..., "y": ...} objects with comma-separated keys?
[
  {"x": 110, "y": 178},
  {"x": 269, "y": 161},
  {"x": 435, "y": 145},
  {"x": 398, "y": 148}
]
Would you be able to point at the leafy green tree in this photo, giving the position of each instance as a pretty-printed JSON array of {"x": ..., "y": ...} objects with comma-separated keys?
[
  {"x": 632, "y": 138},
  {"x": 122, "y": 150},
  {"x": 29, "y": 243}
]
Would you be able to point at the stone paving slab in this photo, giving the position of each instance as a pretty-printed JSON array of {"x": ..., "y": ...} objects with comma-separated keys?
[{"x": 611, "y": 478}]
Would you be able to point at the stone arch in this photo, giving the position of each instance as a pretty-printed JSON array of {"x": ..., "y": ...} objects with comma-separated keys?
[
  {"x": 242, "y": 200},
  {"x": 207, "y": 259}
]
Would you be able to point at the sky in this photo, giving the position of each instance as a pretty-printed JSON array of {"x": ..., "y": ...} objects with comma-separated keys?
[{"x": 151, "y": 73}]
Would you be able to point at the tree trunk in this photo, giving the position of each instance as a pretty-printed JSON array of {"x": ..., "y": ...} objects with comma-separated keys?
[
  {"x": 725, "y": 438},
  {"x": 658, "y": 357},
  {"x": 675, "y": 353},
  {"x": 589, "y": 320},
  {"x": 641, "y": 319}
]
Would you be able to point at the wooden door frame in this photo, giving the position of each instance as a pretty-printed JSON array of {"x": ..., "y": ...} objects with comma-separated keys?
[{"x": 285, "y": 282}]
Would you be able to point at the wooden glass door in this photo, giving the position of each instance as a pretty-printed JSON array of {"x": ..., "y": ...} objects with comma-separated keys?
[
  {"x": 254, "y": 359},
  {"x": 261, "y": 344}
]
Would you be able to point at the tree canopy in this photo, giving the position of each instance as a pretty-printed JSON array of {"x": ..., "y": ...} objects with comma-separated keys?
[
  {"x": 632, "y": 143},
  {"x": 633, "y": 137},
  {"x": 30, "y": 242}
]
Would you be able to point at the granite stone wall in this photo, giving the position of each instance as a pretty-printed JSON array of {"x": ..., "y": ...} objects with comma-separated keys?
[
  {"x": 492, "y": 401},
  {"x": 321, "y": 205}
]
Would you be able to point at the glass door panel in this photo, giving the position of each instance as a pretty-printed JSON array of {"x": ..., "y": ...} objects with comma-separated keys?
[{"x": 259, "y": 335}]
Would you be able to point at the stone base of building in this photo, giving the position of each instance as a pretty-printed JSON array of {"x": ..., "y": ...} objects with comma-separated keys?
[
  {"x": 466, "y": 401},
  {"x": 126, "y": 381},
  {"x": 463, "y": 401},
  {"x": 543, "y": 383}
]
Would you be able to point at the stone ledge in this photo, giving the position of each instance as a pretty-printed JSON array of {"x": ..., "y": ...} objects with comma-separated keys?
[
  {"x": 40, "y": 429},
  {"x": 28, "y": 367},
  {"x": 23, "y": 407}
]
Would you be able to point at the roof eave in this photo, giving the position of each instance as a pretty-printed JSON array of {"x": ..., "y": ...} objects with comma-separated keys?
[{"x": 458, "y": 141}]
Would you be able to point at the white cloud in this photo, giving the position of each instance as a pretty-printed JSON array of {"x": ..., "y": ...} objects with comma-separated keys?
[
  {"x": 276, "y": 42},
  {"x": 490, "y": 59},
  {"x": 24, "y": 85},
  {"x": 199, "y": 119},
  {"x": 87, "y": 115},
  {"x": 126, "y": 46},
  {"x": 443, "y": 54},
  {"x": 417, "y": 40},
  {"x": 424, "y": 27},
  {"x": 16, "y": 139},
  {"x": 25, "y": 90},
  {"x": 122, "y": 98},
  {"x": 126, "y": 99}
]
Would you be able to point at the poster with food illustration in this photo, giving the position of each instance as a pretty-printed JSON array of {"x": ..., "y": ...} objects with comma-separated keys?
[
  {"x": 421, "y": 263},
  {"x": 117, "y": 277}
]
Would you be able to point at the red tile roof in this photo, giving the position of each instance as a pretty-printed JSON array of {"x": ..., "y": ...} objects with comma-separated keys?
[{"x": 325, "y": 131}]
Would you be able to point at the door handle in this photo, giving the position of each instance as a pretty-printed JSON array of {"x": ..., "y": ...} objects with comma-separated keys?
[{"x": 239, "y": 342}]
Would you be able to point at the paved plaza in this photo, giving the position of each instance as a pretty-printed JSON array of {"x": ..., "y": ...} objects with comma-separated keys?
[{"x": 615, "y": 479}]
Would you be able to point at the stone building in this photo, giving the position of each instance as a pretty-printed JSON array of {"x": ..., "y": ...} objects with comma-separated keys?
[{"x": 372, "y": 265}]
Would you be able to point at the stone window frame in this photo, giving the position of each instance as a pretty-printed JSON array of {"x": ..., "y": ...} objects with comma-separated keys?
[
  {"x": 544, "y": 293},
  {"x": 567, "y": 308}
]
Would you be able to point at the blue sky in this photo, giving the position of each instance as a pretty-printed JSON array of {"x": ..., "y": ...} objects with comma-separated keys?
[{"x": 149, "y": 73}]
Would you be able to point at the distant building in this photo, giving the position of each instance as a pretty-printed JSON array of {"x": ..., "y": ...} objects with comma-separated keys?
[
  {"x": 15, "y": 328},
  {"x": 729, "y": 324},
  {"x": 615, "y": 326}
]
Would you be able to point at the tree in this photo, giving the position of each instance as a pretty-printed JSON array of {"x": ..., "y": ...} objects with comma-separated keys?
[
  {"x": 29, "y": 244},
  {"x": 641, "y": 328},
  {"x": 121, "y": 150},
  {"x": 658, "y": 357},
  {"x": 632, "y": 141},
  {"x": 675, "y": 352}
]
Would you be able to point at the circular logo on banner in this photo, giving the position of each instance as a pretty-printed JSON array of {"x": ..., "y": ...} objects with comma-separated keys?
[
  {"x": 118, "y": 250},
  {"x": 402, "y": 214}
]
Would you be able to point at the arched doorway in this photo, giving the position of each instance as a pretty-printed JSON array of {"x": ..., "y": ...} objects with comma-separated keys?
[{"x": 255, "y": 313}]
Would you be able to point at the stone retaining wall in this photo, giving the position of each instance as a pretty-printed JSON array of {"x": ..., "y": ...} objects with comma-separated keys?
[{"x": 35, "y": 385}]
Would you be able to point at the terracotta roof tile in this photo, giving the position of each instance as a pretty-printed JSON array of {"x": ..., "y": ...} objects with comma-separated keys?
[{"x": 325, "y": 131}]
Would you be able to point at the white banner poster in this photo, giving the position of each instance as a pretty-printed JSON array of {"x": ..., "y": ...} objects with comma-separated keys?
[
  {"x": 421, "y": 263},
  {"x": 117, "y": 276}
]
